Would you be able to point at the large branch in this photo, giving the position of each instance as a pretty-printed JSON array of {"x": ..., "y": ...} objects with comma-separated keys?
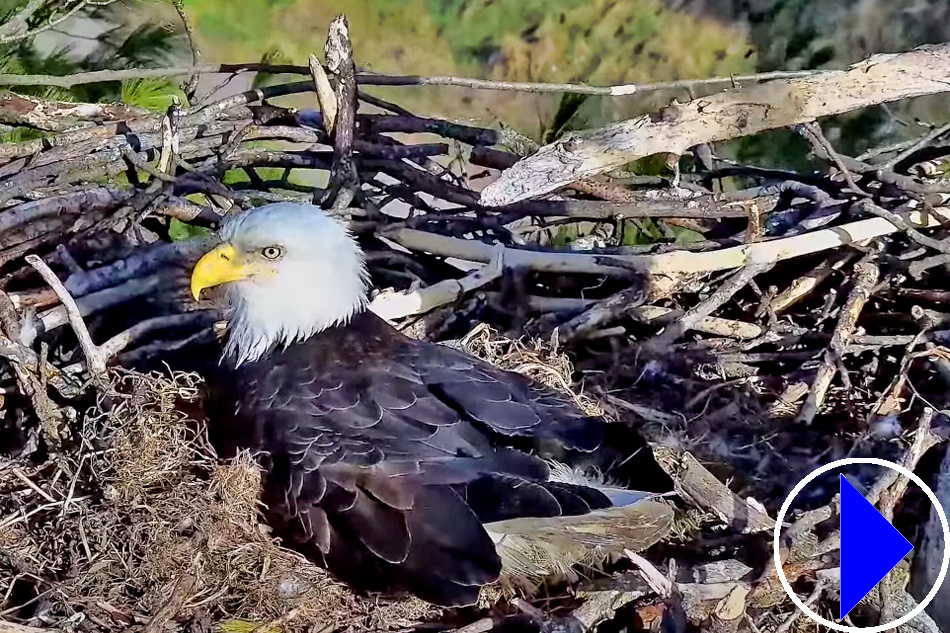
[
  {"x": 58, "y": 116},
  {"x": 727, "y": 115},
  {"x": 667, "y": 263}
]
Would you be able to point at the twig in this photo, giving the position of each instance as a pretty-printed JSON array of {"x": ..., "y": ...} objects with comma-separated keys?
[
  {"x": 478, "y": 626},
  {"x": 17, "y": 26},
  {"x": 705, "y": 308},
  {"x": 710, "y": 325},
  {"x": 325, "y": 95},
  {"x": 604, "y": 312},
  {"x": 802, "y": 286},
  {"x": 12, "y": 627},
  {"x": 182, "y": 591},
  {"x": 94, "y": 359},
  {"x": 657, "y": 581},
  {"x": 790, "y": 621},
  {"x": 171, "y": 144},
  {"x": 921, "y": 143},
  {"x": 812, "y": 132},
  {"x": 154, "y": 172},
  {"x": 373, "y": 79},
  {"x": 918, "y": 268},
  {"x": 192, "y": 83},
  {"x": 60, "y": 116},
  {"x": 344, "y": 180},
  {"x": 52, "y": 24},
  {"x": 605, "y": 91},
  {"x": 707, "y": 492},
  {"x": 866, "y": 277},
  {"x": 898, "y": 221},
  {"x": 890, "y": 489},
  {"x": 118, "y": 343},
  {"x": 398, "y": 305},
  {"x": 22, "y": 477}
]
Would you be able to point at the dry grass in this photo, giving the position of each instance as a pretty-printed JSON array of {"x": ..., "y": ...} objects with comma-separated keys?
[
  {"x": 537, "y": 359},
  {"x": 149, "y": 503},
  {"x": 105, "y": 532}
]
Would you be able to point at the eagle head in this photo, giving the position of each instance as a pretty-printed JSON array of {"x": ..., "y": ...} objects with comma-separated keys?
[{"x": 290, "y": 271}]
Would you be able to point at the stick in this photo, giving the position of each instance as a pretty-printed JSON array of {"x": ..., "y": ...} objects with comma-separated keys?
[
  {"x": 866, "y": 278},
  {"x": 724, "y": 116},
  {"x": 710, "y": 494},
  {"x": 325, "y": 96},
  {"x": 59, "y": 116},
  {"x": 813, "y": 134},
  {"x": 710, "y": 325},
  {"x": 11, "y": 627},
  {"x": 674, "y": 262},
  {"x": 373, "y": 79},
  {"x": 16, "y": 27},
  {"x": 344, "y": 180},
  {"x": 79, "y": 6},
  {"x": 890, "y": 489},
  {"x": 603, "y": 312},
  {"x": 705, "y": 308},
  {"x": 182, "y": 591},
  {"x": 397, "y": 305},
  {"x": 94, "y": 359},
  {"x": 896, "y": 220},
  {"x": 921, "y": 143},
  {"x": 192, "y": 84},
  {"x": 802, "y": 286}
]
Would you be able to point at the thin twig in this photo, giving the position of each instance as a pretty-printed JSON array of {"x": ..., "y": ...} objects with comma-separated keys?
[
  {"x": 96, "y": 364},
  {"x": 896, "y": 220},
  {"x": 182, "y": 591},
  {"x": 812, "y": 132},
  {"x": 704, "y": 309},
  {"x": 866, "y": 277},
  {"x": 921, "y": 143},
  {"x": 373, "y": 79},
  {"x": 192, "y": 83}
]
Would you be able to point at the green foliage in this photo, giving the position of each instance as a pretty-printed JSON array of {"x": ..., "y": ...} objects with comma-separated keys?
[
  {"x": 474, "y": 28},
  {"x": 655, "y": 165},
  {"x": 272, "y": 56},
  {"x": 19, "y": 135},
  {"x": 603, "y": 41},
  {"x": 115, "y": 48},
  {"x": 646, "y": 231},
  {"x": 567, "y": 110},
  {"x": 153, "y": 94},
  {"x": 180, "y": 231}
]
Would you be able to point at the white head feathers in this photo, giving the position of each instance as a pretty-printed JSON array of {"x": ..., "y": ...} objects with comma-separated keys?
[{"x": 318, "y": 280}]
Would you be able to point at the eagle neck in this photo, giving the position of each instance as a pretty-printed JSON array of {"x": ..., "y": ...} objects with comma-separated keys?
[{"x": 258, "y": 328}]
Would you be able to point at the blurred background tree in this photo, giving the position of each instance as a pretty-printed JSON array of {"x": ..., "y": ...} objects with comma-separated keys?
[
  {"x": 596, "y": 41},
  {"x": 101, "y": 38}
]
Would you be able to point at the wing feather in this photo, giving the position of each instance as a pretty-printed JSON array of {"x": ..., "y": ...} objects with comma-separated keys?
[{"x": 388, "y": 454}]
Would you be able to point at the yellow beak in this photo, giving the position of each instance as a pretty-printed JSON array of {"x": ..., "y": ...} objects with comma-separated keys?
[{"x": 216, "y": 267}]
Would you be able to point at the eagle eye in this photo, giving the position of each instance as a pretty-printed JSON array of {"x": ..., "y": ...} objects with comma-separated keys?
[{"x": 271, "y": 252}]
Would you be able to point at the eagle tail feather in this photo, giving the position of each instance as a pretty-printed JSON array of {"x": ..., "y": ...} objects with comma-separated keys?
[{"x": 532, "y": 549}]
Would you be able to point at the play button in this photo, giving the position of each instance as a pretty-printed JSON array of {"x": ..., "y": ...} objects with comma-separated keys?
[{"x": 870, "y": 547}]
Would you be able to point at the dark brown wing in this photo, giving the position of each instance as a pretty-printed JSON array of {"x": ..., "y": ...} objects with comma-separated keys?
[{"x": 386, "y": 455}]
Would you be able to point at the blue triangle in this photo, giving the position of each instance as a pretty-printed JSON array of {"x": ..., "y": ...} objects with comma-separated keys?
[{"x": 870, "y": 547}]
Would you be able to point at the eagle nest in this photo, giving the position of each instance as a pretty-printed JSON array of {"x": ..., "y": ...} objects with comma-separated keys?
[{"x": 143, "y": 515}]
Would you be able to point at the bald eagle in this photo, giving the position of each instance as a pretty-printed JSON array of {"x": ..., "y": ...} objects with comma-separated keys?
[{"x": 388, "y": 460}]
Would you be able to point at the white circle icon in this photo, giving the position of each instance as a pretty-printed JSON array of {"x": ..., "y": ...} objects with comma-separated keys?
[{"x": 859, "y": 629}]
